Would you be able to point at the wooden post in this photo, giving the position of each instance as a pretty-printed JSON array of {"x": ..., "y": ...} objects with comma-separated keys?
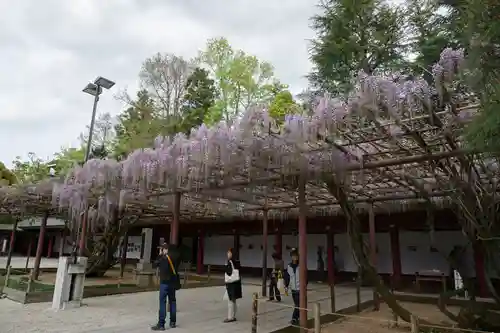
[
  {"x": 394, "y": 322},
  {"x": 30, "y": 244},
  {"x": 396, "y": 256},
  {"x": 123, "y": 259},
  {"x": 236, "y": 245},
  {"x": 414, "y": 324},
  {"x": 209, "y": 268},
  {"x": 373, "y": 252},
  {"x": 358, "y": 290},
  {"x": 302, "y": 253},
  {"x": 30, "y": 280},
  {"x": 11, "y": 244},
  {"x": 39, "y": 248},
  {"x": 255, "y": 310},
  {"x": 201, "y": 253},
  {"x": 330, "y": 249},
  {"x": 83, "y": 234},
  {"x": 7, "y": 277},
  {"x": 317, "y": 318},
  {"x": 50, "y": 246},
  {"x": 264, "y": 253},
  {"x": 174, "y": 226}
]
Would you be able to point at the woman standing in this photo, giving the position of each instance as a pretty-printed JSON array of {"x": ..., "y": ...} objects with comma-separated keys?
[{"x": 233, "y": 286}]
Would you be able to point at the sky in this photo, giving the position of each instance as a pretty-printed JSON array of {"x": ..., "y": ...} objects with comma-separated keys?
[{"x": 52, "y": 48}]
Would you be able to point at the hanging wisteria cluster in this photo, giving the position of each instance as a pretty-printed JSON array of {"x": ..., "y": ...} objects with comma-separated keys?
[{"x": 255, "y": 147}]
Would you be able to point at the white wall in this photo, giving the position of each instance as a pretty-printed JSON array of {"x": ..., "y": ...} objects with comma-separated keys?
[
  {"x": 416, "y": 252},
  {"x": 411, "y": 261}
]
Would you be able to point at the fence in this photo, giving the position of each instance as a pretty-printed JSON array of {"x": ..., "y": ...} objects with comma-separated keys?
[{"x": 322, "y": 321}]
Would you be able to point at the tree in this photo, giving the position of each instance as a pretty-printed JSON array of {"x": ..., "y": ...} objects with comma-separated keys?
[
  {"x": 431, "y": 31},
  {"x": 67, "y": 159},
  {"x": 197, "y": 102},
  {"x": 102, "y": 135},
  {"x": 164, "y": 77},
  {"x": 241, "y": 80},
  {"x": 32, "y": 170},
  {"x": 282, "y": 105},
  {"x": 7, "y": 177},
  {"x": 353, "y": 36},
  {"x": 138, "y": 126}
]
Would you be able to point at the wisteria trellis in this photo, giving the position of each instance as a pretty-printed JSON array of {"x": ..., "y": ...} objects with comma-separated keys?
[{"x": 227, "y": 171}]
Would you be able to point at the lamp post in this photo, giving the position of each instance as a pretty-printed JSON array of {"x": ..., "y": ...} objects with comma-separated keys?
[{"x": 94, "y": 89}]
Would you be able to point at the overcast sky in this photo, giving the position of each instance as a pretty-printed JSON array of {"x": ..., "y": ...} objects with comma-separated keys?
[{"x": 52, "y": 48}]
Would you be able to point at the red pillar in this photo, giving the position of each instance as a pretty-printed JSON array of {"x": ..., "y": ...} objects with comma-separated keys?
[
  {"x": 51, "y": 244},
  {"x": 480, "y": 271},
  {"x": 11, "y": 244},
  {"x": 200, "y": 254},
  {"x": 278, "y": 240},
  {"x": 39, "y": 248},
  {"x": 174, "y": 226},
  {"x": 330, "y": 253},
  {"x": 396, "y": 256},
  {"x": 236, "y": 245}
]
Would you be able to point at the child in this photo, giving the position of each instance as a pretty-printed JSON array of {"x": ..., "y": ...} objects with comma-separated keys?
[{"x": 292, "y": 282}]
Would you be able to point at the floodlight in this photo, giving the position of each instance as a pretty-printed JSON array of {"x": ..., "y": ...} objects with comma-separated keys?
[
  {"x": 103, "y": 82},
  {"x": 92, "y": 89}
]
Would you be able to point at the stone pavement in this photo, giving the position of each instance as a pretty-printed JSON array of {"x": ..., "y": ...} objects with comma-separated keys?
[
  {"x": 199, "y": 310},
  {"x": 20, "y": 263}
]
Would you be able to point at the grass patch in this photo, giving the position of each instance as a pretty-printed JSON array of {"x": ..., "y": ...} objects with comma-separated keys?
[{"x": 22, "y": 284}]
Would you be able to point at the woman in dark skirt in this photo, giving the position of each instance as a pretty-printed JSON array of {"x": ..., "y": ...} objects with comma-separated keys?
[{"x": 233, "y": 288}]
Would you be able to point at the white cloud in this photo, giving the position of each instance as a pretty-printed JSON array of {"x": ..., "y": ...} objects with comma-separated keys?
[{"x": 52, "y": 48}]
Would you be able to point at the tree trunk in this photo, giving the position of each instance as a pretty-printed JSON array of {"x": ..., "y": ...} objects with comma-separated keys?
[
  {"x": 360, "y": 251},
  {"x": 101, "y": 252}
]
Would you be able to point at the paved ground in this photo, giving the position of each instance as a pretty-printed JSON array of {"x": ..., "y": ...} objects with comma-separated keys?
[
  {"x": 20, "y": 263},
  {"x": 200, "y": 310}
]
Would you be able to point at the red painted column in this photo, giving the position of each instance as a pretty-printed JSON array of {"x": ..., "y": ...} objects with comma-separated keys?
[
  {"x": 278, "y": 240},
  {"x": 174, "y": 226},
  {"x": 480, "y": 271},
  {"x": 201, "y": 253},
  {"x": 236, "y": 245},
  {"x": 396, "y": 256},
  {"x": 51, "y": 244},
  {"x": 330, "y": 253}
]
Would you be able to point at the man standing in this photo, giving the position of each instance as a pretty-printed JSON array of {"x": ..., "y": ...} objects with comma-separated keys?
[
  {"x": 168, "y": 263},
  {"x": 276, "y": 274},
  {"x": 292, "y": 282}
]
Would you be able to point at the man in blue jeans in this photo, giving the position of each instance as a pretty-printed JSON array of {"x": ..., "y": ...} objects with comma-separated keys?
[{"x": 168, "y": 264}]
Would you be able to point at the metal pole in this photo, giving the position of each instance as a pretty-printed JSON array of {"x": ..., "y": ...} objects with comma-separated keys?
[{"x": 92, "y": 123}]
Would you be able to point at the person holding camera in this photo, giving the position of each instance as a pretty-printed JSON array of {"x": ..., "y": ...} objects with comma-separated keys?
[{"x": 168, "y": 263}]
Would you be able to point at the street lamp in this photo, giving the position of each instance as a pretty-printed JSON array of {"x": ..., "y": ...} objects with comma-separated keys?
[{"x": 95, "y": 89}]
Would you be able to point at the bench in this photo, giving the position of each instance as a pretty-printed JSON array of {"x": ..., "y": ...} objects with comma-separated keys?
[{"x": 430, "y": 275}]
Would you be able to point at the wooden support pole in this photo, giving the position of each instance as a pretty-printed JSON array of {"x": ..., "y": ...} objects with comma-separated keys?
[
  {"x": 317, "y": 318},
  {"x": 396, "y": 256},
  {"x": 39, "y": 248},
  {"x": 414, "y": 324},
  {"x": 174, "y": 226},
  {"x": 373, "y": 252},
  {"x": 255, "y": 311},
  {"x": 236, "y": 245},
  {"x": 50, "y": 246},
  {"x": 62, "y": 242},
  {"x": 83, "y": 234},
  {"x": 330, "y": 249},
  {"x": 11, "y": 243},
  {"x": 302, "y": 254},
  {"x": 264, "y": 252},
  {"x": 358, "y": 289},
  {"x": 28, "y": 254},
  {"x": 123, "y": 259},
  {"x": 201, "y": 253}
]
